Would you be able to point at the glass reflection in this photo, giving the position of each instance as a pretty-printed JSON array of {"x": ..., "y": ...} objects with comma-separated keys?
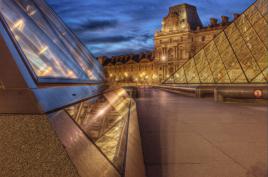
[
  {"x": 48, "y": 52},
  {"x": 85, "y": 59},
  {"x": 105, "y": 121}
]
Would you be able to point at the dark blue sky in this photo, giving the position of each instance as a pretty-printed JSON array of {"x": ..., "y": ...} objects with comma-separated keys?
[{"x": 115, "y": 27}]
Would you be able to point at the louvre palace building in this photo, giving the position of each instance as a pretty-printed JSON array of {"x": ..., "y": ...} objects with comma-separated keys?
[{"x": 182, "y": 35}]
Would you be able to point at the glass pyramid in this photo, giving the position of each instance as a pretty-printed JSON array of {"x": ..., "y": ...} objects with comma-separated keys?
[{"x": 239, "y": 54}]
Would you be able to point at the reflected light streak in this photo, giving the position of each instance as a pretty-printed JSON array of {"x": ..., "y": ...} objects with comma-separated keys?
[
  {"x": 43, "y": 50},
  {"x": 71, "y": 74},
  {"x": 17, "y": 37},
  {"x": 19, "y": 25},
  {"x": 45, "y": 71},
  {"x": 30, "y": 11}
]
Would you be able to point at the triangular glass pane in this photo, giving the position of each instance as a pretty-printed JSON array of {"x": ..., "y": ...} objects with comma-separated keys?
[
  {"x": 223, "y": 77},
  {"x": 113, "y": 144},
  {"x": 259, "y": 79},
  {"x": 234, "y": 74},
  {"x": 206, "y": 75},
  {"x": 251, "y": 72},
  {"x": 265, "y": 73},
  {"x": 240, "y": 79},
  {"x": 263, "y": 60}
]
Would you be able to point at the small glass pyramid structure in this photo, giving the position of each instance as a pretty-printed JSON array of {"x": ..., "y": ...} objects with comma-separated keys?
[
  {"x": 105, "y": 122},
  {"x": 238, "y": 54}
]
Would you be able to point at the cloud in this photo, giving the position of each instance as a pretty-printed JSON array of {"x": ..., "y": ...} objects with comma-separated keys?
[
  {"x": 120, "y": 26},
  {"x": 108, "y": 39},
  {"x": 146, "y": 37},
  {"x": 94, "y": 25}
]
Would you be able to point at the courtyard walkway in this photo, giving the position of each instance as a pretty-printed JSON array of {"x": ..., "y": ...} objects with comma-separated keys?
[{"x": 191, "y": 137}]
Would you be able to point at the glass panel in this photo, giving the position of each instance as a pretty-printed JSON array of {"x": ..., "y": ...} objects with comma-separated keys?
[
  {"x": 263, "y": 61},
  {"x": 234, "y": 35},
  {"x": 104, "y": 120},
  {"x": 234, "y": 72},
  {"x": 265, "y": 73},
  {"x": 259, "y": 79},
  {"x": 245, "y": 58},
  {"x": 229, "y": 30},
  {"x": 262, "y": 5},
  {"x": 58, "y": 38},
  {"x": 45, "y": 58},
  {"x": 215, "y": 62},
  {"x": 256, "y": 47},
  {"x": 231, "y": 64},
  {"x": 242, "y": 23},
  {"x": 222, "y": 77},
  {"x": 209, "y": 48},
  {"x": 241, "y": 79},
  {"x": 228, "y": 57},
  {"x": 179, "y": 76},
  {"x": 221, "y": 41},
  {"x": 31, "y": 10},
  {"x": 206, "y": 75},
  {"x": 81, "y": 54},
  {"x": 200, "y": 60},
  {"x": 190, "y": 72},
  {"x": 253, "y": 15},
  {"x": 261, "y": 27},
  {"x": 114, "y": 136}
]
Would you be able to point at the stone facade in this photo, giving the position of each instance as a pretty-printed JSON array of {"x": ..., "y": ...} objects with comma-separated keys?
[{"x": 182, "y": 35}]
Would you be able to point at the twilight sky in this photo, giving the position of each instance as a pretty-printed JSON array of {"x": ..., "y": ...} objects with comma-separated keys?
[{"x": 115, "y": 27}]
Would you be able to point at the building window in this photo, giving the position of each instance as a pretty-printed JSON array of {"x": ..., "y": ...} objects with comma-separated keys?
[{"x": 203, "y": 38}]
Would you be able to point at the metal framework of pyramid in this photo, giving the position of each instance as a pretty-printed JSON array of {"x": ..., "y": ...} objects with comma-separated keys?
[
  {"x": 237, "y": 55},
  {"x": 43, "y": 65}
]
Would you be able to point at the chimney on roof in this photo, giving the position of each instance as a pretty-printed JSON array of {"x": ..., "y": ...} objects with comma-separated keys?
[
  {"x": 101, "y": 59},
  {"x": 236, "y": 15},
  {"x": 213, "y": 21},
  {"x": 224, "y": 20}
]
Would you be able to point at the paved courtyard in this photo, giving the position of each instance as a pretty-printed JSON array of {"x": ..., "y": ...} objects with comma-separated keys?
[{"x": 190, "y": 137}]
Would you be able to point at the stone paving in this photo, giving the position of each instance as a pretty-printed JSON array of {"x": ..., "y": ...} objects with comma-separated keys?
[{"x": 190, "y": 137}]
